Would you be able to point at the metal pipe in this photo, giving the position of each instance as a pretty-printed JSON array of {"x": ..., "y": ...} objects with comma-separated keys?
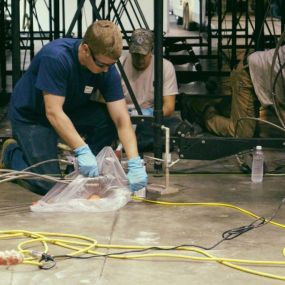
[
  {"x": 120, "y": 9},
  {"x": 103, "y": 7},
  {"x": 129, "y": 88},
  {"x": 2, "y": 47},
  {"x": 50, "y": 21},
  {"x": 56, "y": 19},
  {"x": 234, "y": 32},
  {"x": 259, "y": 25},
  {"x": 158, "y": 80},
  {"x": 220, "y": 22},
  {"x": 246, "y": 22},
  {"x": 31, "y": 30},
  {"x": 141, "y": 13},
  {"x": 135, "y": 13},
  {"x": 282, "y": 16},
  {"x": 16, "y": 54},
  {"x": 128, "y": 15},
  {"x": 167, "y": 158},
  {"x": 79, "y": 21},
  {"x": 63, "y": 17},
  {"x": 75, "y": 17},
  {"x": 209, "y": 30},
  {"x": 112, "y": 7}
]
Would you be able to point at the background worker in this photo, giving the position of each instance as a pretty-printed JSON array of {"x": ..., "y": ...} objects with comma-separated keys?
[
  {"x": 138, "y": 65},
  {"x": 250, "y": 84},
  {"x": 52, "y": 100}
]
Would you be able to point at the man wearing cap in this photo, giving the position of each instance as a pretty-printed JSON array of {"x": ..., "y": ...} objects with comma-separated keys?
[{"x": 139, "y": 67}]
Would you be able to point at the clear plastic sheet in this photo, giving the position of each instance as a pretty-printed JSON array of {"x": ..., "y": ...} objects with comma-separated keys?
[{"x": 107, "y": 192}]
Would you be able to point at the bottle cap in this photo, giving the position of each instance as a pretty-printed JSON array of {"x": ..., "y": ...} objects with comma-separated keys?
[{"x": 259, "y": 147}]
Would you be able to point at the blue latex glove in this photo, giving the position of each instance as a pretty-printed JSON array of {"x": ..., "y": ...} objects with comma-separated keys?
[
  {"x": 136, "y": 175},
  {"x": 147, "y": 111},
  {"x": 86, "y": 161}
]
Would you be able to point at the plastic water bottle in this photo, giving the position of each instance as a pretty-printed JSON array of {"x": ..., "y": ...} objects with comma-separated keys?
[{"x": 257, "y": 165}]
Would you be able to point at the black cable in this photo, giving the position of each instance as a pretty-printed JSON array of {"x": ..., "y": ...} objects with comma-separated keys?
[
  {"x": 227, "y": 235},
  {"x": 49, "y": 262}
]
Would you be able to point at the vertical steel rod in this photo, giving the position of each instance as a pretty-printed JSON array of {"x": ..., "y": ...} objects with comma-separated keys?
[
  {"x": 16, "y": 54},
  {"x": 158, "y": 80}
]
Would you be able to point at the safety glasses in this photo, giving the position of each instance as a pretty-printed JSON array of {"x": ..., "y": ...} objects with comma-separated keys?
[{"x": 99, "y": 63}]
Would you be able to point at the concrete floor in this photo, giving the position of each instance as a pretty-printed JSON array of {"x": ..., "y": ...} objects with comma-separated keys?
[{"x": 140, "y": 223}]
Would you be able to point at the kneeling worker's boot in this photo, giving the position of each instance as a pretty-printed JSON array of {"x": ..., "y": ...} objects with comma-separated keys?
[{"x": 6, "y": 146}]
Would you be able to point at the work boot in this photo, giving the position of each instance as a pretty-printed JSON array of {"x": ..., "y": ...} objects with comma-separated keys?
[{"x": 8, "y": 143}]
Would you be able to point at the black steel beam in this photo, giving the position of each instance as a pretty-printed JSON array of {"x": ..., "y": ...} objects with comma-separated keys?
[
  {"x": 31, "y": 29},
  {"x": 158, "y": 79},
  {"x": 210, "y": 148},
  {"x": 234, "y": 34},
  {"x": 79, "y": 20},
  {"x": 56, "y": 19},
  {"x": 50, "y": 21},
  {"x": 190, "y": 76},
  {"x": 16, "y": 55},
  {"x": 75, "y": 18},
  {"x": 220, "y": 36},
  {"x": 2, "y": 47},
  {"x": 259, "y": 24}
]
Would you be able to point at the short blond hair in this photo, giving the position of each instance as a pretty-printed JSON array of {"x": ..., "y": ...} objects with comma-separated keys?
[{"x": 104, "y": 37}]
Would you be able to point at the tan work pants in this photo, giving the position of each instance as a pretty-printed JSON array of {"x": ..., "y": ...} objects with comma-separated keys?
[{"x": 243, "y": 105}]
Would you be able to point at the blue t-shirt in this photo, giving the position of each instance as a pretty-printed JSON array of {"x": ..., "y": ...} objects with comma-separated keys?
[{"x": 56, "y": 70}]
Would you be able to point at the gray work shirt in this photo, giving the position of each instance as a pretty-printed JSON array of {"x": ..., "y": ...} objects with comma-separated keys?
[{"x": 263, "y": 75}]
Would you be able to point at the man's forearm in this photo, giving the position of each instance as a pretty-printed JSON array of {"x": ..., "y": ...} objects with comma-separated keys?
[
  {"x": 65, "y": 129},
  {"x": 168, "y": 105},
  {"x": 119, "y": 114},
  {"x": 128, "y": 139}
]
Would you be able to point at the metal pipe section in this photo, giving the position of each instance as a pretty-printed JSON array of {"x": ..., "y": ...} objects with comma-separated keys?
[
  {"x": 142, "y": 15},
  {"x": 129, "y": 88},
  {"x": 50, "y": 21},
  {"x": 79, "y": 21},
  {"x": 74, "y": 19},
  {"x": 234, "y": 32},
  {"x": 135, "y": 13},
  {"x": 282, "y": 16},
  {"x": 247, "y": 19},
  {"x": 128, "y": 15},
  {"x": 16, "y": 55},
  {"x": 220, "y": 36},
  {"x": 31, "y": 30},
  {"x": 56, "y": 19},
  {"x": 158, "y": 80},
  {"x": 259, "y": 25},
  {"x": 103, "y": 7},
  {"x": 167, "y": 155},
  {"x": 209, "y": 31},
  {"x": 113, "y": 8},
  {"x": 2, "y": 48},
  {"x": 120, "y": 9},
  {"x": 63, "y": 17}
]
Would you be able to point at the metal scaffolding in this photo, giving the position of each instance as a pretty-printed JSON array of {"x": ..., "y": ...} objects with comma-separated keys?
[{"x": 115, "y": 10}]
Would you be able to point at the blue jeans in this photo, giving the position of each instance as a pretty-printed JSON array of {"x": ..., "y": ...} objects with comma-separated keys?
[{"x": 38, "y": 142}]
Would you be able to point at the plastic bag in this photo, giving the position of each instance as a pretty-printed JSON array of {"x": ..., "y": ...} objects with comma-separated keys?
[{"x": 107, "y": 192}]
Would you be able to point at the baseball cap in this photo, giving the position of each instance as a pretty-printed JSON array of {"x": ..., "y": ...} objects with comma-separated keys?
[{"x": 141, "y": 41}]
